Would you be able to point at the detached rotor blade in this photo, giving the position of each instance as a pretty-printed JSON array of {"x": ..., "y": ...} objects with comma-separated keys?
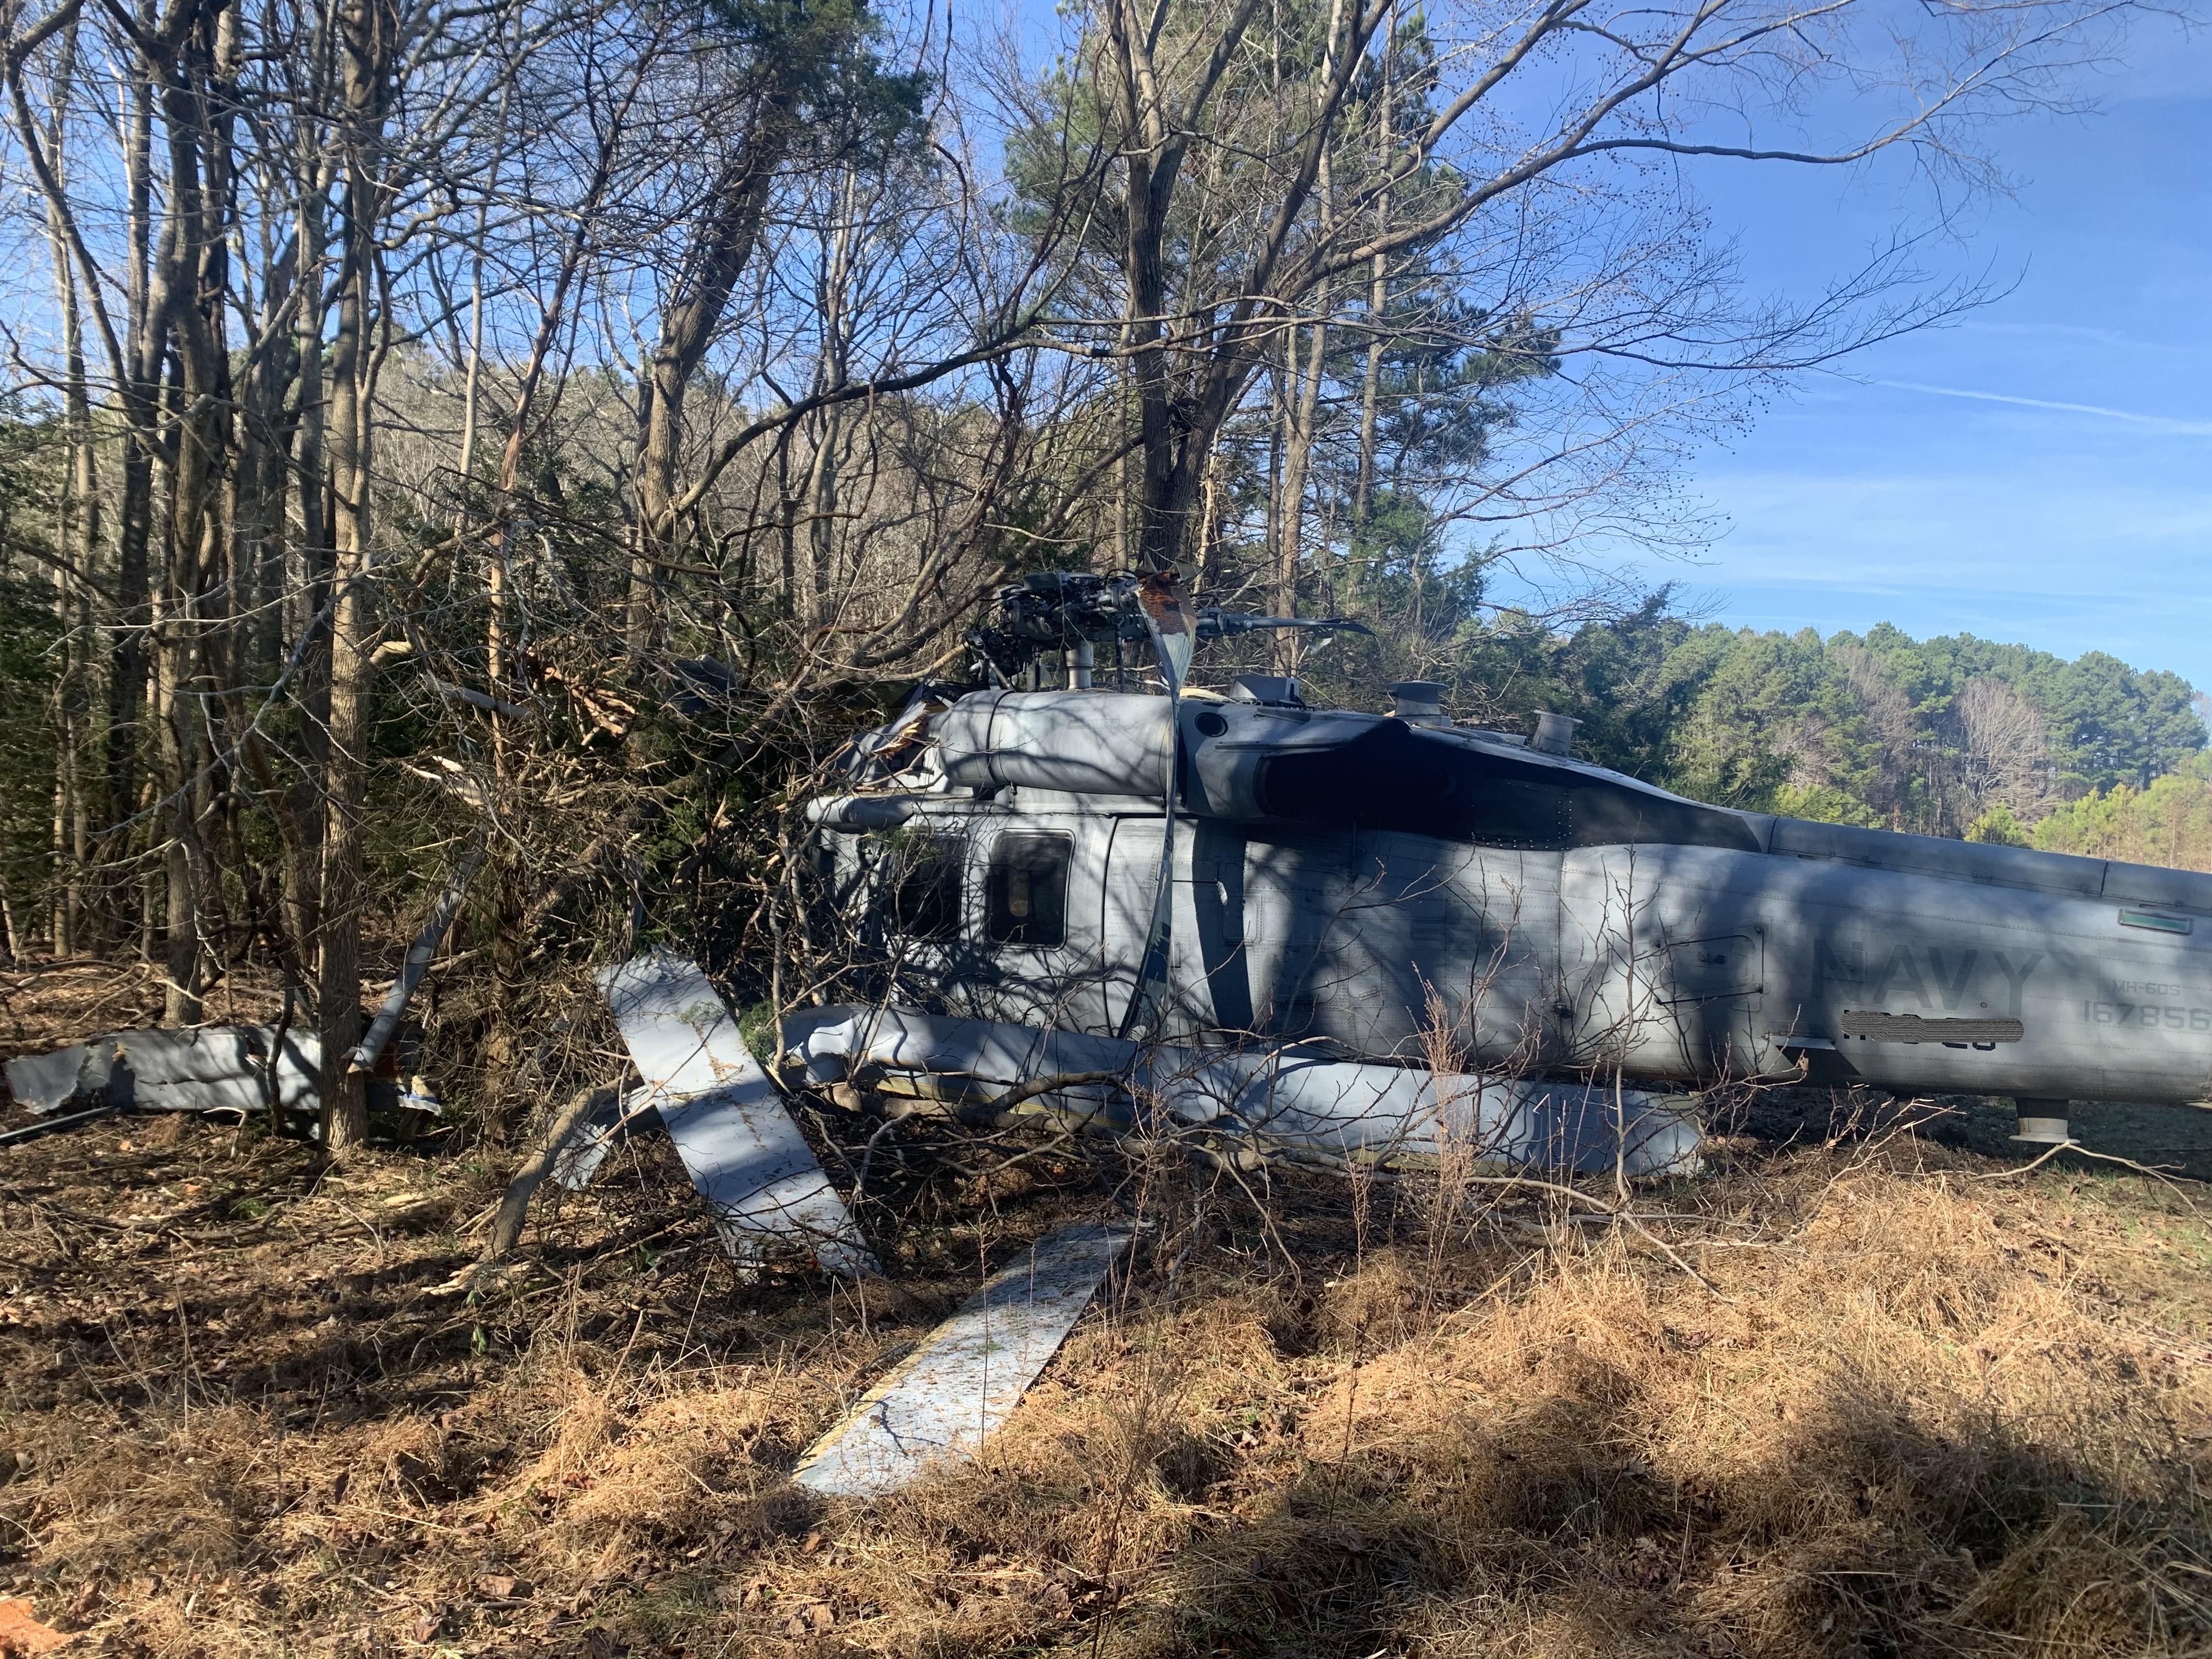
[
  {"x": 1214, "y": 624},
  {"x": 1160, "y": 598}
]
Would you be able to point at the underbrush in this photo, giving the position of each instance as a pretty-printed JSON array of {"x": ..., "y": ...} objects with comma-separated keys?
[{"x": 1884, "y": 1397}]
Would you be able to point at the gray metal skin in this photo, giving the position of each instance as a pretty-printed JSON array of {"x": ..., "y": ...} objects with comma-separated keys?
[{"x": 1364, "y": 879}]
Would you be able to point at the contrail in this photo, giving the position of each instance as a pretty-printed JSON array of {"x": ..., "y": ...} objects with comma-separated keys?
[{"x": 2160, "y": 423}]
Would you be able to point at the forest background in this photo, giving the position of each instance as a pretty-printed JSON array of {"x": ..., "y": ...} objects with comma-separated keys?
[{"x": 527, "y": 441}]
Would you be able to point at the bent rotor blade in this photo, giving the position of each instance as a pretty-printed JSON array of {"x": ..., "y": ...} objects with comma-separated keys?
[
  {"x": 1167, "y": 614},
  {"x": 1160, "y": 596}
]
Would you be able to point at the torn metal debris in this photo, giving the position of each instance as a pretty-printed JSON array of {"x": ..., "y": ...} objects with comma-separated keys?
[
  {"x": 745, "y": 1153},
  {"x": 1288, "y": 1102},
  {"x": 207, "y": 1068},
  {"x": 955, "y": 1390}
]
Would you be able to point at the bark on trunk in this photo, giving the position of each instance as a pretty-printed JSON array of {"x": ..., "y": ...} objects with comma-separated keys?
[
  {"x": 191, "y": 282},
  {"x": 1297, "y": 451},
  {"x": 78, "y": 542},
  {"x": 367, "y": 40},
  {"x": 717, "y": 256}
]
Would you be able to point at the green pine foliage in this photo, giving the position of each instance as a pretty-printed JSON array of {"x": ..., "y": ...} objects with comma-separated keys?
[
  {"x": 2169, "y": 822},
  {"x": 2000, "y": 826},
  {"x": 2108, "y": 724}
]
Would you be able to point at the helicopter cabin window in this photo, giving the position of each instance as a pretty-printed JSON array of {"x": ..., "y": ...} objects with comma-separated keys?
[
  {"x": 926, "y": 901},
  {"x": 1027, "y": 889}
]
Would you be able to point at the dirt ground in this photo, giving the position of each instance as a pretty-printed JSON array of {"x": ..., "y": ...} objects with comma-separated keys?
[{"x": 1856, "y": 1391}]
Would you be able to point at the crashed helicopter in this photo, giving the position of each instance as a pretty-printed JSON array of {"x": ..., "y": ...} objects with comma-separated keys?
[
  {"x": 1309, "y": 932},
  {"x": 1237, "y": 868},
  {"x": 1273, "y": 932}
]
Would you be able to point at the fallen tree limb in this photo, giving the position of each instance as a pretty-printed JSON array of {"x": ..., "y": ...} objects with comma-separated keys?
[
  {"x": 531, "y": 1173},
  {"x": 992, "y": 1111},
  {"x": 364, "y": 1056}
]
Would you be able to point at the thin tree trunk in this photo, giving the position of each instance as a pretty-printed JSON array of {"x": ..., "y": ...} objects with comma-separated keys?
[
  {"x": 835, "y": 369},
  {"x": 368, "y": 30},
  {"x": 1378, "y": 304},
  {"x": 260, "y": 484},
  {"x": 191, "y": 642},
  {"x": 1279, "y": 396},
  {"x": 1209, "y": 525},
  {"x": 127, "y": 683},
  {"x": 1371, "y": 384},
  {"x": 720, "y": 252},
  {"x": 472, "y": 376},
  {"x": 510, "y": 938},
  {"x": 307, "y": 569},
  {"x": 1297, "y": 451},
  {"x": 78, "y": 541},
  {"x": 1289, "y": 648},
  {"x": 8, "y": 934}
]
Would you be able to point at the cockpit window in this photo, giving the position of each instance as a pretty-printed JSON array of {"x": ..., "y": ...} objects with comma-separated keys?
[
  {"x": 926, "y": 901},
  {"x": 1027, "y": 889}
]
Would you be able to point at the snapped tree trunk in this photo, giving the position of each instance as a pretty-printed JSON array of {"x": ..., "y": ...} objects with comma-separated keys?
[{"x": 720, "y": 249}]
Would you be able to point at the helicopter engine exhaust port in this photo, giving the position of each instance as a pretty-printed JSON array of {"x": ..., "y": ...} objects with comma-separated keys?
[
  {"x": 1555, "y": 734},
  {"x": 1419, "y": 702}
]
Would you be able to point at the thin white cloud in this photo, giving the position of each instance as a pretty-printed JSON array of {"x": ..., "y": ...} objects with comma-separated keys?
[
  {"x": 2154, "y": 422},
  {"x": 2110, "y": 338}
]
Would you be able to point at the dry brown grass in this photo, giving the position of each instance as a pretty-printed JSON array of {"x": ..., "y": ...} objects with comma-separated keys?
[{"x": 1935, "y": 1413}]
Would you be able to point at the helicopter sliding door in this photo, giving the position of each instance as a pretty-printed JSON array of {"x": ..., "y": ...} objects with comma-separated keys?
[
  {"x": 1275, "y": 943},
  {"x": 1131, "y": 881},
  {"x": 1663, "y": 960},
  {"x": 1446, "y": 951},
  {"x": 1241, "y": 948},
  {"x": 1309, "y": 932}
]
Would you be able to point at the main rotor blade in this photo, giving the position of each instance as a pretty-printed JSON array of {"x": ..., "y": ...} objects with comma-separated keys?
[{"x": 1214, "y": 624}]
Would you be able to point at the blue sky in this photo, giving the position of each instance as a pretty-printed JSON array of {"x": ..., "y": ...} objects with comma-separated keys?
[{"x": 2040, "y": 471}]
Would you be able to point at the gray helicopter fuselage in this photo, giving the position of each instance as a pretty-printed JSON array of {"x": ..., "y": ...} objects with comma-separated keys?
[{"x": 1443, "y": 897}]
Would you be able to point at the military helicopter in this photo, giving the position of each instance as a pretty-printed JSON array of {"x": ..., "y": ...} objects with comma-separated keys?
[{"x": 1144, "y": 857}]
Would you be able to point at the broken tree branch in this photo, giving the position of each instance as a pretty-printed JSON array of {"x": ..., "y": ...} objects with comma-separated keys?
[
  {"x": 530, "y": 1175},
  {"x": 426, "y": 945}
]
